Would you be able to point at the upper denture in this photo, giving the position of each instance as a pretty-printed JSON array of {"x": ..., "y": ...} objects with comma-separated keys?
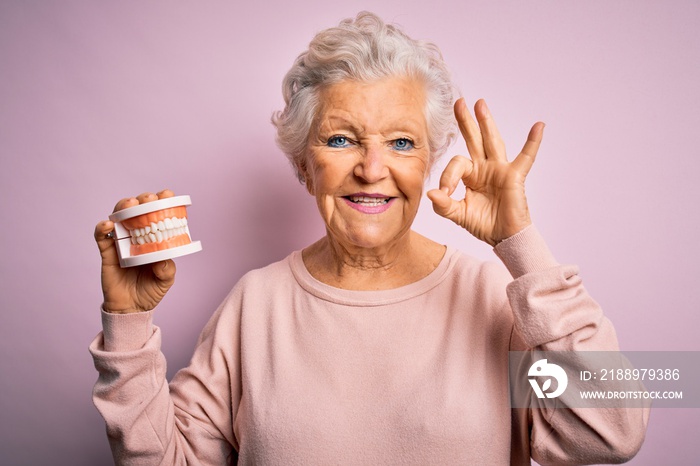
[{"x": 144, "y": 220}]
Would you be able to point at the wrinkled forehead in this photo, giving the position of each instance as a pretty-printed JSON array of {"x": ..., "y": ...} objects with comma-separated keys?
[{"x": 380, "y": 105}]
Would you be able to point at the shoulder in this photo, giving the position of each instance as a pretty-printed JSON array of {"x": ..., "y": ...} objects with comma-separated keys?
[
  {"x": 480, "y": 274},
  {"x": 477, "y": 285},
  {"x": 252, "y": 295},
  {"x": 265, "y": 279},
  {"x": 269, "y": 274},
  {"x": 475, "y": 294}
]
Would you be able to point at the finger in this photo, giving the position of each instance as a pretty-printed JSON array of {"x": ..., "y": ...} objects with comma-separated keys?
[
  {"x": 166, "y": 193},
  {"x": 146, "y": 197},
  {"x": 523, "y": 162},
  {"x": 106, "y": 244},
  {"x": 458, "y": 168},
  {"x": 469, "y": 129},
  {"x": 165, "y": 272},
  {"x": 493, "y": 143},
  {"x": 126, "y": 202},
  {"x": 444, "y": 205}
]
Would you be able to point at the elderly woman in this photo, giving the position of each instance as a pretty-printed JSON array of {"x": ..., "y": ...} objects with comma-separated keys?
[{"x": 374, "y": 345}]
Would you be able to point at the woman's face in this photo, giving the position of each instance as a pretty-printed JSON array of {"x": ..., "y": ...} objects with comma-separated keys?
[{"x": 367, "y": 159}]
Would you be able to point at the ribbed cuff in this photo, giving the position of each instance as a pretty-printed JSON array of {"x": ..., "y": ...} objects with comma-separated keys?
[
  {"x": 525, "y": 252},
  {"x": 126, "y": 332}
]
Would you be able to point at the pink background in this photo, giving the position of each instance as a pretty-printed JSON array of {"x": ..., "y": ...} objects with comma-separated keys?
[{"x": 101, "y": 100}]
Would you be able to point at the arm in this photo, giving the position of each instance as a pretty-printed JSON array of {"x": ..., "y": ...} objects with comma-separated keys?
[
  {"x": 551, "y": 309},
  {"x": 149, "y": 422}
]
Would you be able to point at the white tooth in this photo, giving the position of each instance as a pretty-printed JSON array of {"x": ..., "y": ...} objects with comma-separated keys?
[
  {"x": 142, "y": 232},
  {"x": 168, "y": 224},
  {"x": 159, "y": 236},
  {"x": 134, "y": 233},
  {"x": 152, "y": 237},
  {"x": 177, "y": 222},
  {"x": 154, "y": 227},
  {"x": 147, "y": 229},
  {"x": 141, "y": 240},
  {"x": 133, "y": 240},
  {"x": 184, "y": 221},
  {"x": 161, "y": 225}
]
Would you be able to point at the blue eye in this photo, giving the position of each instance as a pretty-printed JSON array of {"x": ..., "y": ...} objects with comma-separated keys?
[
  {"x": 337, "y": 141},
  {"x": 403, "y": 144}
]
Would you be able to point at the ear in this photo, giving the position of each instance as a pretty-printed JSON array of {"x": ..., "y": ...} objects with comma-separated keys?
[
  {"x": 305, "y": 176},
  {"x": 309, "y": 185}
]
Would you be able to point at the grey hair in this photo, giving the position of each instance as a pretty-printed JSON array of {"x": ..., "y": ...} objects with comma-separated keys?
[{"x": 362, "y": 49}]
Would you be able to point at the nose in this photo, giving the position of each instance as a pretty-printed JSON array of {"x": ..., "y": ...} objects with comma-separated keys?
[{"x": 372, "y": 168}]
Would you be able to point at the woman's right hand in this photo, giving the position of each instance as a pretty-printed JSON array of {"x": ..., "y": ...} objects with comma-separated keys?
[{"x": 131, "y": 289}]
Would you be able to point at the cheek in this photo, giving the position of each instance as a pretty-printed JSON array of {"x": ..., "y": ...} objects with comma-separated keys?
[
  {"x": 413, "y": 180},
  {"x": 328, "y": 177},
  {"x": 320, "y": 180}
]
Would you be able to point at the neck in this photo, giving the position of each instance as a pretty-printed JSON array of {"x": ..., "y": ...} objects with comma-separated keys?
[{"x": 404, "y": 261}]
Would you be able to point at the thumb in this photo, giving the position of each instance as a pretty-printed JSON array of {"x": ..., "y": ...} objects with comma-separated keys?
[
  {"x": 106, "y": 244},
  {"x": 164, "y": 271}
]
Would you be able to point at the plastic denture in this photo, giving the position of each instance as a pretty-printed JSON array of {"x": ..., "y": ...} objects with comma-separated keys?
[{"x": 153, "y": 232}]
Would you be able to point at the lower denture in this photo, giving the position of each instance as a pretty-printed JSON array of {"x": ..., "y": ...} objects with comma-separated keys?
[{"x": 173, "y": 242}]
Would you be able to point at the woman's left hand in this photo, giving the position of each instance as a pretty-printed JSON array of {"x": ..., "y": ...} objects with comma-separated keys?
[{"x": 494, "y": 205}]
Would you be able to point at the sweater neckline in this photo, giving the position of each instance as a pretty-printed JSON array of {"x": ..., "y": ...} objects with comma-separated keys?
[{"x": 371, "y": 298}]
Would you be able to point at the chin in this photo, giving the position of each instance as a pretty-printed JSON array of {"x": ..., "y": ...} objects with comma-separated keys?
[{"x": 370, "y": 238}]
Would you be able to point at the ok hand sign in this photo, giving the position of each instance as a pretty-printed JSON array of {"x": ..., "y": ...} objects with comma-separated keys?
[{"x": 494, "y": 206}]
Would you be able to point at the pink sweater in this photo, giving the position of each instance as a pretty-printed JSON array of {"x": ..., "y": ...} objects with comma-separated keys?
[{"x": 292, "y": 371}]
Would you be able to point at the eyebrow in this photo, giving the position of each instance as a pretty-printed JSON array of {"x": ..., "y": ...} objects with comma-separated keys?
[{"x": 405, "y": 126}]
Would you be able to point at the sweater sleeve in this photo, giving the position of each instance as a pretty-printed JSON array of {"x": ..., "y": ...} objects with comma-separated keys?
[
  {"x": 150, "y": 422},
  {"x": 552, "y": 311}
]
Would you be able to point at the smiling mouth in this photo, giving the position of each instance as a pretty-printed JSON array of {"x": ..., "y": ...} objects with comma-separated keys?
[{"x": 368, "y": 201}]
